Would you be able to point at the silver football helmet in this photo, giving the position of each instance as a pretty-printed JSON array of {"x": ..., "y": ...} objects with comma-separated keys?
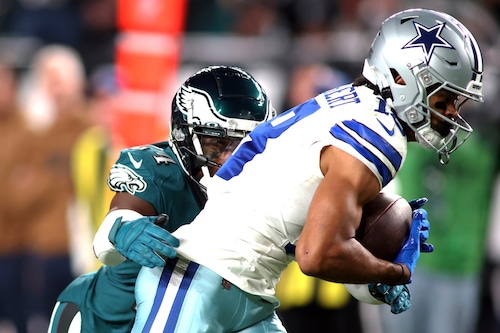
[
  {"x": 431, "y": 51},
  {"x": 211, "y": 112}
]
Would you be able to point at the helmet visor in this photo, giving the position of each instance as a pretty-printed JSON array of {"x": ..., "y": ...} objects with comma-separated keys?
[{"x": 218, "y": 150}]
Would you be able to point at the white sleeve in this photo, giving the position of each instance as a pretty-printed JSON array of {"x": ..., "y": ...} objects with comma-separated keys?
[
  {"x": 103, "y": 249},
  {"x": 361, "y": 293}
]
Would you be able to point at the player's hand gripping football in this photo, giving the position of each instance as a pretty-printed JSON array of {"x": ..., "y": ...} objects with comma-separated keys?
[
  {"x": 398, "y": 297},
  {"x": 144, "y": 240},
  {"x": 416, "y": 241}
]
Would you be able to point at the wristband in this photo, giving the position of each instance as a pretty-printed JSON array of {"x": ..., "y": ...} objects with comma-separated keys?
[
  {"x": 104, "y": 250},
  {"x": 401, "y": 276}
]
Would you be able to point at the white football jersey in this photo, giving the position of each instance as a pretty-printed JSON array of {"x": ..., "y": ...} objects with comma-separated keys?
[{"x": 258, "y": 200}]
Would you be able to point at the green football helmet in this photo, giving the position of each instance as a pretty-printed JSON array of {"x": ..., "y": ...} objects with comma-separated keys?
[{"x": 211, "y": 112}]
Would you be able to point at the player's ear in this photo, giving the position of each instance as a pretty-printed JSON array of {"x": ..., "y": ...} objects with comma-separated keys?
[{"x": 399, "y": 80}]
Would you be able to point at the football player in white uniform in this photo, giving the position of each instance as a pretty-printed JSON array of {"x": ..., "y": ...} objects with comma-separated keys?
[{"x": 295, "y": 186}]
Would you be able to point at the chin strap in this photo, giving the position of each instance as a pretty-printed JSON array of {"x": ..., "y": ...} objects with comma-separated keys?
[
  {"x": 204, "y": 162},
  {"x": 444, "y": 157},
  {"x": 430, "y": 139}
]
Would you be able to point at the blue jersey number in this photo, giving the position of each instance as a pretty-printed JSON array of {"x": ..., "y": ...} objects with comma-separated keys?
[{"x": 256, "y": 142}]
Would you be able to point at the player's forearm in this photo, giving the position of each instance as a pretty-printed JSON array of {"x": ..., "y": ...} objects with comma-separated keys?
[
  {"x": 350, "y": 262},
  {"x": 104, "y": 250}
]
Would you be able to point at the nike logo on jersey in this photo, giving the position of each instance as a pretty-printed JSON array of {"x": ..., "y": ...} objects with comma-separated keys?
[
  {"x": 136, "y": 164},
  {"x": 390, "y": 132}
]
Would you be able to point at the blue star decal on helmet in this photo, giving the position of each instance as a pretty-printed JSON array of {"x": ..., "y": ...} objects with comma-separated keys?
[{"x": 428, "y": 39}]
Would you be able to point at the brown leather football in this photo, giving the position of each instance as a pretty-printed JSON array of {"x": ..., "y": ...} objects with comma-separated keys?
[{"x": 385, "y": 224}]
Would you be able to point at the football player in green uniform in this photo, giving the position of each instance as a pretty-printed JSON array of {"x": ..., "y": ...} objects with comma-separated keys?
[{"x": 161, "y": 187}]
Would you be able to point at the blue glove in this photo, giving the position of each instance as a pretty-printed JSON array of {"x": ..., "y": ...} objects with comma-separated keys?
[
  {"x": 424, "y": 232},
  {"x": 417, "y": 203},
  {"x": 415, "y": 243},
  {"x": 143, "y": 241},
  {"x": 398, "y": 297}
]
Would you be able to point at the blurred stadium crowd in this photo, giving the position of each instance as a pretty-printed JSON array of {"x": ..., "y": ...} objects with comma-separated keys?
[{"x": 59, "y": 83}]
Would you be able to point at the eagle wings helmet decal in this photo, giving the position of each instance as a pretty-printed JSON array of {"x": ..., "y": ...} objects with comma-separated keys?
[
  {"x": 187, "y": 97},
  {"x": 124, "y": 179},
  {"x": 428, "y": 39}
]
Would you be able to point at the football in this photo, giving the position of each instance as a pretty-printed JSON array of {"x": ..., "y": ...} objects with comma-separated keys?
[{"x": 385, "y": 224}]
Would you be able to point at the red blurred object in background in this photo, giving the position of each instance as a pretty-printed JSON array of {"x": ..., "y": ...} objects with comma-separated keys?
[{"x": 147, "y": 56}]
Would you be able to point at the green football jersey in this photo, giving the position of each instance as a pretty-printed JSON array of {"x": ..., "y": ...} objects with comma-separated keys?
[{"x": 153, "y": 173}]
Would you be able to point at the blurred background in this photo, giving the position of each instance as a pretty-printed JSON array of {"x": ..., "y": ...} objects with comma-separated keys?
[{"x": 81, "y": 79}]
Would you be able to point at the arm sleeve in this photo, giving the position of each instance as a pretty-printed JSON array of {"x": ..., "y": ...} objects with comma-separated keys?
[{"x": 103, "y": 249}]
